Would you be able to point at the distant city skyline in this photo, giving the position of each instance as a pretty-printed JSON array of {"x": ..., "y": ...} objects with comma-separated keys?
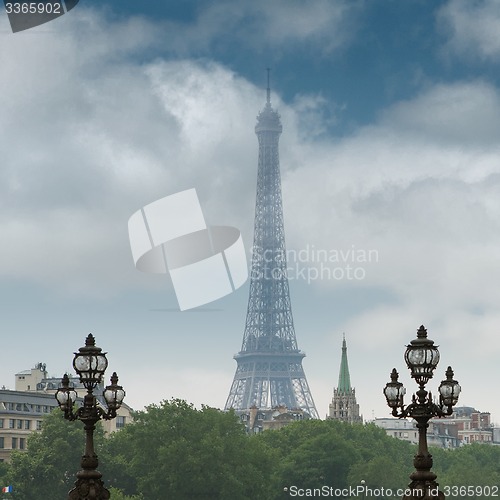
[{"x": 392, "y": 117}]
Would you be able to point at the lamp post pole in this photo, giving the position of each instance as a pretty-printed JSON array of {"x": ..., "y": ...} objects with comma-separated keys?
[
  {"x": 422, "y": 357},
  {"x": 90, "y": 364}
]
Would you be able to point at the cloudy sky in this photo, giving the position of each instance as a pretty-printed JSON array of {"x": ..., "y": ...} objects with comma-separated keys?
[{"x": 390, "y": 145}]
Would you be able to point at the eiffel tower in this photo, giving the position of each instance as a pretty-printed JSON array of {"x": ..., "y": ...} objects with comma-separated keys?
[{"x": 269, "y": 371}]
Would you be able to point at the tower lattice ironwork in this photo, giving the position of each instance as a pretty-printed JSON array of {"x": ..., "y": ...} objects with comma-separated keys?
[{"x": 269, "y": 371}]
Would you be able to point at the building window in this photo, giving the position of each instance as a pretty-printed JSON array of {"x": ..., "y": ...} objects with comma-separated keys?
[
  {"x": 38, "y": 425},
  {"x": 19, "y": 424},
  {"x": 120, "y": 422},
  {"x": 12, "y": 423},
  {"x": 2, "y": 443},
  {"x": 38, "y": 409},
  {"x": 27, "y": 425},
  {"x": 22, "y": 443},
  {"x": 1, "y": 423},
  {"x": 14, "y": 443},
  {"x": 46, "y": 409}
]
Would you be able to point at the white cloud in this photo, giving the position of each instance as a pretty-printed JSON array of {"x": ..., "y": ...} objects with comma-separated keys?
[
  {"x": 426, "y": 198},
  {"x": 93, "y": 141},
  {"x": 458, "y": 113},
  {"x": 281, "y": 25},
  {"x": 472, "y": 28},
  {"x": 100, "y": 135}
]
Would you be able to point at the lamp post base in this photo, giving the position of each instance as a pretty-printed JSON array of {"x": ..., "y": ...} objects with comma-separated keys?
[
  {"x": 89, "y": 486},
  {"x": 89, "y": 489},
  {"x": 423, "y": 484}
]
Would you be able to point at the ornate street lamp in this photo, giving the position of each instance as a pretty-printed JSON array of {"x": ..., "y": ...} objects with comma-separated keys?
[
  {"x": 422, "y": 357},
  {"x": 90, "y": 364}
]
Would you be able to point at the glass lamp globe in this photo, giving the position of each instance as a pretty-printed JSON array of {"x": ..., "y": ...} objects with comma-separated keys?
[
  {"x": 422, "y": 357},
  {"x": 394, "y": 391},
  {"x": 90, "y": 363},
  {"x": 65, "y": 396},
  {"x": 449, "y": 390},
  {"x": 114, "y": 393}
]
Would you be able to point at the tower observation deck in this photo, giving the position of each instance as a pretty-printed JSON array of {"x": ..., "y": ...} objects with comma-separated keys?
[{"x": 269, "y": 369}]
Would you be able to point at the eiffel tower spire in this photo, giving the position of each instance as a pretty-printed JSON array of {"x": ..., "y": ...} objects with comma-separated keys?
[
  {"x": 268, "y": 87},
  {"x": 269, "y": 371}
]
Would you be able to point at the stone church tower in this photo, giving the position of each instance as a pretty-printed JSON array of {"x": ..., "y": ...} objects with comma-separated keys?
[{"x": 343, "y": 406}]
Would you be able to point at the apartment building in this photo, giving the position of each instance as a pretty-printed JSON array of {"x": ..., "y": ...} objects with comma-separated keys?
[
  {"x": 465, "y": 426},
  {"x": 22, "y": 409}
]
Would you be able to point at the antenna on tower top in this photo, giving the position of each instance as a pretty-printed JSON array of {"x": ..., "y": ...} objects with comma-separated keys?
[{"x": 268, "y": 86}]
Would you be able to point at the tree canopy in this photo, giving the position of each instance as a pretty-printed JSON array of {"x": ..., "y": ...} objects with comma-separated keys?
[
  {"x": 173, "y": 450},
  {"x": 48, "y": 468}
]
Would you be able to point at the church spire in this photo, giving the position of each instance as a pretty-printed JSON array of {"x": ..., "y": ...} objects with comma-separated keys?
[
  {"x": 344, "y": 386},
  {"x": 344, "y": 406}
]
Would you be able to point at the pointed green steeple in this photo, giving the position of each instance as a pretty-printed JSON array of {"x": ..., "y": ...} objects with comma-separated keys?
[{"x": 344, "y": 386}]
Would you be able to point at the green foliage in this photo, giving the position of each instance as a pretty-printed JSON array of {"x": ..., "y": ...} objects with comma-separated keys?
[
  {"x": 331, "y": 453},
  {"x": 117, "y": 494},
  {"x": 475, "y": 465},
  {"x": 386, "y": 462},
  {"x": 173, "y": 450},
  {"x": 48, "y": 468},
  {"x": 4, "y": 474}
]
